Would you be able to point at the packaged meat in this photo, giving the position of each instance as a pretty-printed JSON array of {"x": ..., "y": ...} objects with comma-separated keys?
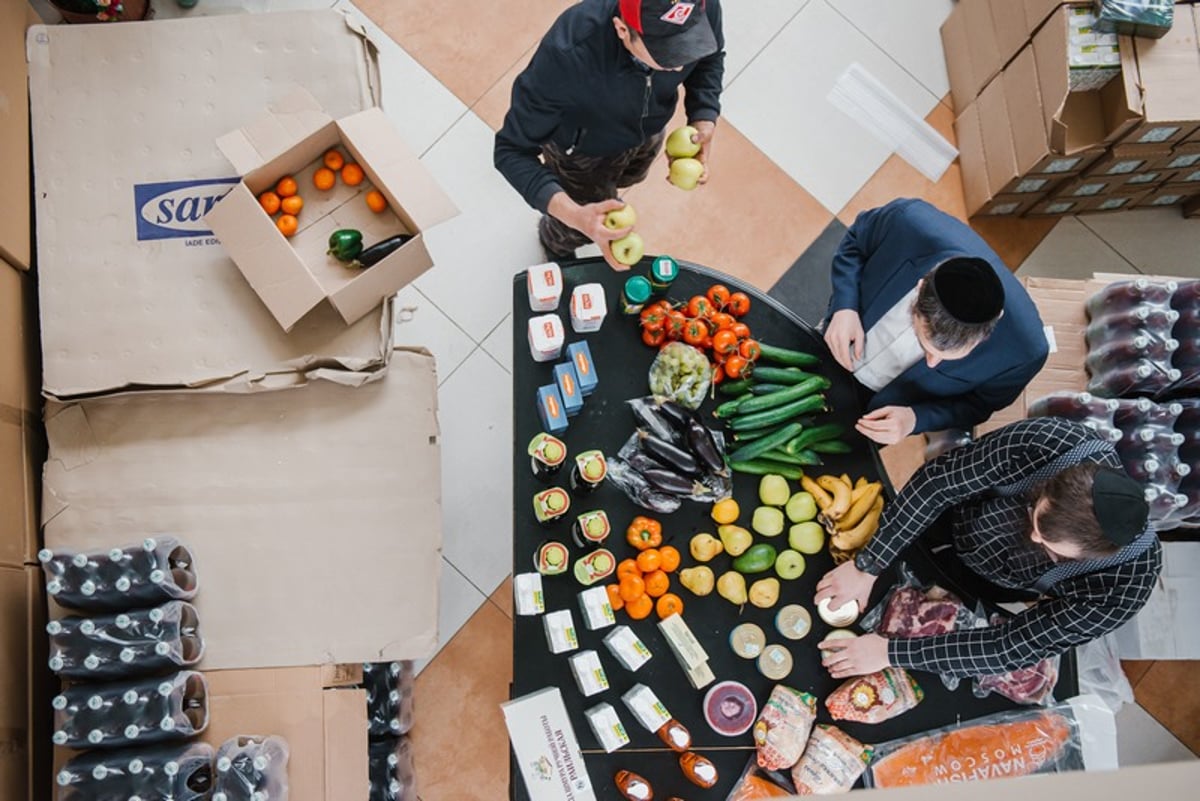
[
  {"x": 910, "y": 609},
  {"x": 1031, "y": 685},
  {"x": 997, "y": 746},
  {"x": 831, "y": 764},
  {"x": 782, "y": 730},
  {"x": 756, "y": 785},
  {"x": 876, "y": 697}
]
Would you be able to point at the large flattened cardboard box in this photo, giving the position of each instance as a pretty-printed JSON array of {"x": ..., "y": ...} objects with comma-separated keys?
[
  {"x": 135, "y": 290},
  {"x": 15, "y": 245},
  {"x": 293, "y": 275}
]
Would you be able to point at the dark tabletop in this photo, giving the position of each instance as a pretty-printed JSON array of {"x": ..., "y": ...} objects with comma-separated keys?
[{"x": 622, "y": 363}]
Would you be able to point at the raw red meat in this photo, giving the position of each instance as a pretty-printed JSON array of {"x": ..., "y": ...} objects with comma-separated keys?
[
  {"x": 1029, "y": 685},
  {"x": 912, "y": 612}
]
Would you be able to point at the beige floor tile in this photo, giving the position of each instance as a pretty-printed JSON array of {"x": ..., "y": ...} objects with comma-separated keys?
[
  {"x": 494, "y": 104},
  {"x": 503, "y": 597},
  {"x": 903, "y": 459},
  {"x": 1170, "y": 691},
  {"x": 1013, "y": 238},
  {"x": 460, "y": 745},
  {"x": 469, "y": 45},
  {"x": 1136, "y": 669}
]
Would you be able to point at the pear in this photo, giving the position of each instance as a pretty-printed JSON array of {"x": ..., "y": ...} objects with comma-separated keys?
[
  {"x": 735, "y": 539},
  {"x": 704, "y": 547},
  {"x": 699, "y": 580},
  {"x": 764, "y": 593},
  {"x": 732, "y": 587}
]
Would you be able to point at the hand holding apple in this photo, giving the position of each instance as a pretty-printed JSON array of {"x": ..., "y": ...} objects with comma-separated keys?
[
  {"x": 597, "y": 221},
  {"x": 688, "y": 144}
]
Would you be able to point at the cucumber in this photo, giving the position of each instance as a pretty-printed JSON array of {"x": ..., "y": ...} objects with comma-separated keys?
[
  {"x": 813, "y": 435},
  {"x": 763, "y": 444},
  {"x": 730, "y": 407},
  {"x": 761, "y": 403},
  {"x": 780, "y": 375},
  {"x": 780, "y": 414},
  {"x": 830, "y": 446},
  {"x": 767, "y": 389},
  {"x": 792, "y": 358},
  {"x": 731, "y": 389},
  {"x": 757, "y": 433},
  {"x": 804, "y": 458},
  {"x": 764, "y": 467}
]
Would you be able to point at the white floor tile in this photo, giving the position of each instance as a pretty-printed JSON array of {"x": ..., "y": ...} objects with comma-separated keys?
[
  {"x": 1142, "y": 740},
  {"x": 476, "y": 253},
  {"x": 748, "y": 28},
  {"x": 780, "y": 103},
  {"x": 908, "y": 31},
  {"x": 419, "y": 322},
  {"x": 499, "y": 343},
  {"x": 1157, "y": 241},
  {"x": 457, "y": 601},
  {"x": 1071, "y": 250},
  {"x": 475, "y": 412}
]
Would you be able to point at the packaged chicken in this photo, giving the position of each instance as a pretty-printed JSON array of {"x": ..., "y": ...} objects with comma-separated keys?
[
  {"x": 831, "y": 764},
  {"x": 782, "y": 730},
  {"x": 875, "y": 698}
]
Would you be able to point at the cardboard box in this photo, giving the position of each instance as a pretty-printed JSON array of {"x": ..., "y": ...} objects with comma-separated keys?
[
  {"x": 1038, "y": 11},
  {"x": 135, "y": 291},
  {"x": 1011, "y": 28},
  {"x": 1009, "y": 205},
  {"x": 547, "y": 751},
  {"x": 1166, "y": 196},
  {"x": 1191, "y": 208},
  {"x": 973, "y": 55},
  {"x": 1170, "y": 74},
  {"x": 1186, "y": 179},
  {"x": 969, "y": 134},
  {"x": 1085, "y": 188},
  {"x": 24, "y": 685},
  {"x": 1123, "y": 160},
  {"x": 1055, "y": 206},
  {"x": 269, "y": 491},
  {"x": 1181, "y": 157},
  {"x": 20, "y": 410},
  {"x": 15, "y": 245},
  {"x": 293, "y": 275},
  {"x": 1120, "y": 200}
]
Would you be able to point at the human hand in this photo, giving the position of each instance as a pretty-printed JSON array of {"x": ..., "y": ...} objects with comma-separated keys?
[
  {"x": 705, "y": 130},
  {"x": 588, "y": 219},
  {"x": 887, "y": 425},
  {"x": 855, "y": 657},
  {"x": 843, "y": 584},
  {"x": 845, "y": 338}
]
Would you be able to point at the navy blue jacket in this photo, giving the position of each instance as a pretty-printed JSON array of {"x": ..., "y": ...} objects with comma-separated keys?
[
  {"x": 583, "y": 90},
  {"x": 880, "y": 260}
]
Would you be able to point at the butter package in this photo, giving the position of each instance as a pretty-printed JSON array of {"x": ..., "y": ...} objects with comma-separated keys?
[
  {"x": 626, "y": 648},
  {"x": 546, "y": 336},
  {"x": 550, "y": 409},
  {"x": 560, "y": 631},
  {"x": 545, "y": 287},
  {"x": 700, "y": 676},
  {"x": 527, "y": 594},
  {"x": 588, "y": 308},
  {"x": 646, "y": 707},
  {"x": 597, "y": 610},
  {"x": 585, "y": 370},
  {"x": 684, "y": 645},
  {"x": 568, "y": 388},
  {"x": 607, "y": 727},
  {"x": 588, "y": 672}
]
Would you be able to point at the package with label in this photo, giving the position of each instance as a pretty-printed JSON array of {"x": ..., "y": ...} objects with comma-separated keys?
[
  {"x": 607, "y": 726},
  {"x": 588, "y": 672},
  {"x": 545, "y": 748},
  {"x": 626, "y": 648},
  {"x": 645, "y": 706}
]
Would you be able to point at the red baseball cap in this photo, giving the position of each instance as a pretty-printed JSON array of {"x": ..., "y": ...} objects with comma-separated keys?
[{"x": 675, "y": 32}]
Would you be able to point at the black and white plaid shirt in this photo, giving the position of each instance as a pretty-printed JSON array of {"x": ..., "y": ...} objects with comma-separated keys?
[{"x": 989, "y": 534}]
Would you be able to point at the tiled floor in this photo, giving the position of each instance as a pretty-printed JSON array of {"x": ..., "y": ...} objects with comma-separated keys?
[{"x": 790, "y": 171}]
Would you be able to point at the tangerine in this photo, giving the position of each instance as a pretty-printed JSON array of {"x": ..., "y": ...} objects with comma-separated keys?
[
  {"x": 333, "y": 159},
  {"x": 324, "y": 178},
  {"x": 352, "y": 175},
  {"x": 376, "y": 202},
  {"x": 292, "y": 204},
  {"x": 640, "y": 608},
  {"x": 286, "y": 187},
  {"x": 269, "y": 201},
  {"x": 669, "y": 604},
  {"x": 287, "y": 224}
]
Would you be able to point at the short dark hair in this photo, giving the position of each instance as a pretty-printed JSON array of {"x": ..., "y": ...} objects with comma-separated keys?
[
  {"x": 1069, "y": 514},
  {"x": 946, "y": 332}
]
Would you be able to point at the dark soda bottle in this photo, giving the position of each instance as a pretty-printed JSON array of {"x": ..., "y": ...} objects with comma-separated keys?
[
  {"x": 1123, "y": 296},
  {"x": 176, "y": 772},
  {"x": 1139, "y": 412},
  {"x": 1120, "y": 352},
  {"x": 135, "y": 643},
  {"x": 147, "y": 574},
  {"x": 251, "y": 768},
  {"x": 393, "y": 776},
  {"x": 1148, "y": 320},
  {"x": 1076, "y": 406},
  {"x": 118, "y": 714},
  {"x": 390, "y": 689},
  {"x": 1143, "y": 377},
  {"x": 1186, "y": 296}
]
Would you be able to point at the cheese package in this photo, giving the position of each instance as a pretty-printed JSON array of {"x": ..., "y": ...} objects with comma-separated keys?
[
  {"x": 626, "y": 648},
  {"x": 607, "y": 727},
  {"x": 646, "y": 707},
  {"x": 684, "y": 645},
  {"x": 568, "y": 388},
  {"x": 597, "y": 609},
  {"x": 550, "y": 409},
  {"x": 527, "y": 594},
  {"x": 588, "y": 672},
  {"x": 546, "y": 335},
  {"x": 585, "y": 370},
  {"x": 560, "y": 631}
]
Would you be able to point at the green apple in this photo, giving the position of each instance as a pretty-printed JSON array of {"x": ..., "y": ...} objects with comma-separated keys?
[
  {"x": 685, "y": 173},
  {"x": 628, "y": 249},
  {"x": 807, "y": 537},
  {"x": 801, "y": 507},
  {"x": 624, "y": 217},
  {"x": 768, "y": 521},
  {"x": 789, "y": 565},
  {"x": 680, "y": 144},
  {"x": 773, "y": 491}
]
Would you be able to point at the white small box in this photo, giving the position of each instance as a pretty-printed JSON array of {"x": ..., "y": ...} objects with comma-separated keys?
[
  {"x": 588, "y": 308},
  {"x": 560, "y": 631},
  {"x": 684, "y": 645},
  {"x": 589, "y": 673},
  {"x": 546, "y": 336},
  {"x": 646, "y": 707},
  {"x": 607, "y": 727},
  {"x": 597, "y": 609},
  {"x": 527, "y": 594},
  {"x": 545, "y": 287},
  {"x": 700, "y": 676},
  {"x": 546, "y": 750},
  {"x": 626, "y": 648}
]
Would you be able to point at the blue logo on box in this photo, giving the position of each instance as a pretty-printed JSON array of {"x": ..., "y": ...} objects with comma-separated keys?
[{"x": 171, "y": 209}]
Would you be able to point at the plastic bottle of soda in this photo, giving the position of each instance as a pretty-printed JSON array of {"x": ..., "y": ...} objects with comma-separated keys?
[
  {"x": 1186, "y": 296},
  {"x": 1149, "y": 320},
  {"x": 1122, "y": 351},
  {"x": 1076, "y": 406},
  {"x": 1123, "y": 296}
]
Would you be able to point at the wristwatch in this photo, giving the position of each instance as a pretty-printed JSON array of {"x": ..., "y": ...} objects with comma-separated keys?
[{"x": 866, "y": 563}]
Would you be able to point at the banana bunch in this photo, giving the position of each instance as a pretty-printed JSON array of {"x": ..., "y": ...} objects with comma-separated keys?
[{"x": 849, "y": 511}]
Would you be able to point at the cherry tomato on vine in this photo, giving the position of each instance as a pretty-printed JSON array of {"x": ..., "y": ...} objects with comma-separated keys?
[
  {"x": 725, "y": 342},
  {"x": 718, "y": 296},
  {"x": 654, "y": 336},
  {"x": 739, "y": 304},
  {"x": 694, "y": 332},
  {"x": 749, "y": 350},
  {"x": 674, "y": 324},
  {"x": 699, "y": 306},
  {"x": 742, "y": 330},
  {"x": 737, "y": 367},
  {"x": 718, "y": 375},
  {"x": 721, "y": 320}
]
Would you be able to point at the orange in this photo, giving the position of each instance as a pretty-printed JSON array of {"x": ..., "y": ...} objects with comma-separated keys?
[
  {"x": 286, "y": 186},
  {"x": 333, "y": 159},
  {"x": 287, "y": 224},
  {"x": 669, "y": 555},
  {"x": 640, "y": 607},
  {"x": 656, "y": 583},
  {"x": 725, "y": 511},
  {"x": 352, "y": 175},
  {"x": 614, "y": 597},
  {"x": 292, "y": 204},
  {"x": 269, "y": 201},
  {"x": 324, "y": 178},
  {"x": 627, "y": 567},
  {"x": 376, "y": 201},
  {"x": 649, "y": 560},
  {"x": 669, "y": 604},
  {"x": 632, "y": 587}
]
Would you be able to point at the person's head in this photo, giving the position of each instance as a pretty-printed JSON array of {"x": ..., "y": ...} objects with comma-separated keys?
[
  {"x": 1087, "y": 512},
  {"x": 958, "y": 305},
  {"x": 665, "y": 34}
]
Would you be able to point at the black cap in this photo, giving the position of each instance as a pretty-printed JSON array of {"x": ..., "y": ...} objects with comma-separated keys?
[
  {"x": 968, "y": 289},
  {"x": 1120, "y": 505},
  {"x": 675, "y": 32}
]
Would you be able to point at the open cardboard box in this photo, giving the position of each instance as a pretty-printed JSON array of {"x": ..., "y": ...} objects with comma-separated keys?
[
  {"x": 294, "y": 275},
  {"x": 1169, "y": 70},
  {"x": 15, "y": 244}
]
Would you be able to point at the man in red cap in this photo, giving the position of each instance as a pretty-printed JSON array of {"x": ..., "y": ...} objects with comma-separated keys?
[{"x": 593, "y": 104}]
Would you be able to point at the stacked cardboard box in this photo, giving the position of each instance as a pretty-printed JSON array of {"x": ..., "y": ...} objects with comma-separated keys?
[{"x": 1035, "y": 141}]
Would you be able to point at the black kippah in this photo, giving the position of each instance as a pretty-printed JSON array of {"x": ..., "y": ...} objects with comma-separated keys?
[
  {"x": 1120, "y": 506},
  {"x": 969, "y": 289}
]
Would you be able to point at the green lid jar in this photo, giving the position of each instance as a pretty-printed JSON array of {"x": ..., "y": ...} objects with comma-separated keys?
[
  {"x": 663, "y": 270},
  {"x": 634, "y": 294}
]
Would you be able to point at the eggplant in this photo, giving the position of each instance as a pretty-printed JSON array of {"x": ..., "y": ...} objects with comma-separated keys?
[
  {"x": 672, "y": 483},
  {"x": 701, "y": 442},
  {"x": 642, "y": 461},
  {"x": 649, "y": 416},
  {"x": 639, "y": 490},
  {"x": 379, "y": 251},
  {"x": 675, "y": 458},
  {"x": 676, "y": 414}
]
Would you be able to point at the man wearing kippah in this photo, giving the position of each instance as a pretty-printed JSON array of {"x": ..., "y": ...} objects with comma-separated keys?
[
  {"x": 927, "y": 317},
  {"x": 593, "y": 104},
  {"x": 1039, "y": 509}
]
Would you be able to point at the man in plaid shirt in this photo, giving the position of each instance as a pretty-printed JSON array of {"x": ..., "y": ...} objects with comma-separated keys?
[{"x": 1020, "y": 519}]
